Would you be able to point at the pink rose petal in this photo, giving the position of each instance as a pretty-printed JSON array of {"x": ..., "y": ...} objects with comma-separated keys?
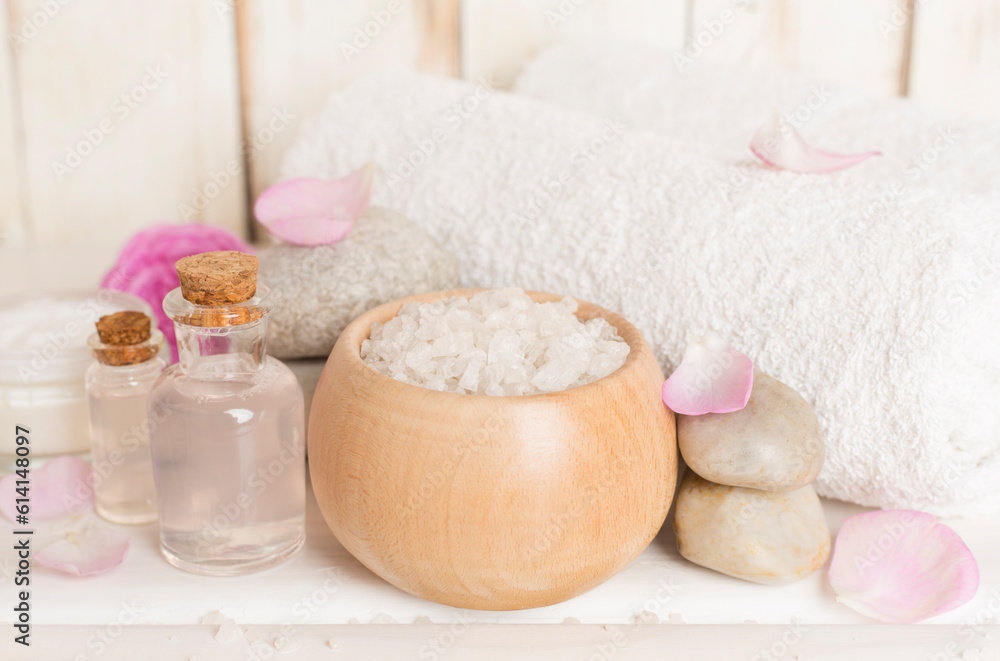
[
  {"x": 63, "y": 486},
  {"x": 315, "y": 212},
  {"x": 783, "y": 147},
  {"x": 92, "y": 550},
  {"x": 901, "y": 566},
  {"x": 713, "y": 377}
]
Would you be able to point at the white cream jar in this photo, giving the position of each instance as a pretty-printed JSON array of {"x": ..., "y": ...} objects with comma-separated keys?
[{"x": 43, "y": 359}]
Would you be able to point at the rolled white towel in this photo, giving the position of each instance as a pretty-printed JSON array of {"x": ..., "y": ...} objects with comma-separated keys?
[
  {"x": 717, "y": 107},
  {"x": 886, "y": 326}
]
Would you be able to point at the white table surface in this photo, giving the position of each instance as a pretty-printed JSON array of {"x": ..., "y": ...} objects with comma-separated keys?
[{"x": 659, "y": 607}]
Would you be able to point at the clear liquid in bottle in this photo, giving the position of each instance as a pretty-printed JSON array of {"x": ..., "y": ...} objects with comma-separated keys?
[
  {"x": 126, "y": 350},
  {"x": 231, "y": 469},
  {"x": 123, "y": 468}
]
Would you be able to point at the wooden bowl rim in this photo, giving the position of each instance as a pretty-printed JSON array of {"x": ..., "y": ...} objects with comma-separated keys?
[{"x": 360, "y": 329}]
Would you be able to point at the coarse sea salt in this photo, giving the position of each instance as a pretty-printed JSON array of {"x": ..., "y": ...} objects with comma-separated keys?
[{"x": 498, "y": 342}]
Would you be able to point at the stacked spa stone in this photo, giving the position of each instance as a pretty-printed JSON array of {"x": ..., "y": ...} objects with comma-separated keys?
[{"x": 747, "y": 507}]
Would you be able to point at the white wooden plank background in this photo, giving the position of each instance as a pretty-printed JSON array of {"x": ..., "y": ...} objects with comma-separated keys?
[
  {"x": 955, "y": 62},
  {"x": 13, "y": 225},
  {"x": 253, "y": 70},
  {"x": 294, "y": 54},
  {"x": 835, "y": 39},
  {"x": 145, "y": 94},
  {"x": 500, "y": 36}
]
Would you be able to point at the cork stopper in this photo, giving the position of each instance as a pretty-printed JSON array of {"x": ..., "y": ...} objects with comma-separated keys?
[
  {"x": 221, "y": 279},
  {"x": 125, "y": 338},
  {"x": 126, "y": 327},
  {"x": 224, "y": 277}
]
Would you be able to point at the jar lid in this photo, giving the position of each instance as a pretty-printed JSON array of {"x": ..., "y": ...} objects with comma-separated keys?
[{"x": 43, "y": 335}]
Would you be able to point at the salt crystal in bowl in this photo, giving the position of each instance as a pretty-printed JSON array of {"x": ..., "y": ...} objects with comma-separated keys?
[{"x": 492, "y": 502}]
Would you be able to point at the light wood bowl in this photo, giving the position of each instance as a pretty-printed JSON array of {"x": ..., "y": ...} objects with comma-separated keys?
[{"x": 493, "y": 503}]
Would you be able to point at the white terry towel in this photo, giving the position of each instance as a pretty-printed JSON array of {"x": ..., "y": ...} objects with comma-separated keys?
[
  {"x": 718, "y": 107},
  {"x": 887, "y": 327}
]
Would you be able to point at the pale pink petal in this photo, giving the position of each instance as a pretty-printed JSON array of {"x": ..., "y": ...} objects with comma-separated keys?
[
  {"x": 92, "y": 550},
  {"x": 315, "y": 212},
  {"x": 783, "y": 147},
  {"x": 901, "y": 566},
  {"x": 713, "y": 377},
  {"x": 62, "y": 486}
]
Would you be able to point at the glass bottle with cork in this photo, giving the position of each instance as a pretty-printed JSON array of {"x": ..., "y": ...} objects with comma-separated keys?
[
  {"x": 229, "y": 450},
  {"x": 126, "y": 350}
]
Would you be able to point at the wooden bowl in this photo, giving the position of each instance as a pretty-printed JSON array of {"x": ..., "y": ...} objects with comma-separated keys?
[{"x": 493, "y": 503}]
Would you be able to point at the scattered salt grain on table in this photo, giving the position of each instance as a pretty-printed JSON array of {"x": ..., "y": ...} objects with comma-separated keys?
[
  {"x": 498, "y": 342},
  {"x": 228, "y": 632},
  {"x": 284, "y": 644},
  {"x": 647, "y": 617}
]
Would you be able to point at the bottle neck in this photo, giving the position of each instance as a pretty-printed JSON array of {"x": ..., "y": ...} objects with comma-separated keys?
[
  {"x": 220, "y": 341},
  {"x": 240, "y": 349},
  {"x": 143, "y": 371}
]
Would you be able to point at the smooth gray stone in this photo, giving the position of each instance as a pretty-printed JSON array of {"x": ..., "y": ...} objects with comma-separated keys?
[
  {"x": 774, "y": 443},
  {"x": 769, "y": 538},
  {"x": 319, "y": 290}
]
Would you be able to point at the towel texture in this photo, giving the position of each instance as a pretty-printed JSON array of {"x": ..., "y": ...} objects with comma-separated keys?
[
  {"x": 718, "y": 107},
  {"x": 884, "y": 323}
]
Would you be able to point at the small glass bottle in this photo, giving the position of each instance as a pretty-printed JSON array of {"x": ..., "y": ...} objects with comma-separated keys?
[
  {"x": 229, "y": 445},
  {"x": 128, "y": 362}
]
